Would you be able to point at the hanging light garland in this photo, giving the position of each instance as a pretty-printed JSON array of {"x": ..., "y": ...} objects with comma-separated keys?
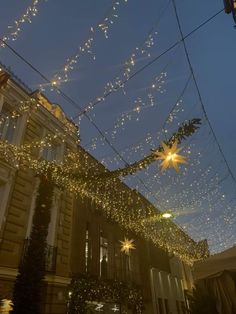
[
  {"x": 89, "y": 293},
  {"x": 140, "y": 104},
  {"x": 15, "y": 29},
  {"x": 30, "y": 106},
  {"x": 78, "y": 176},
  {"x": 185, "y": 130},
  {"x": 118, "y": 82},
  {"x": 87, "y": 47}
]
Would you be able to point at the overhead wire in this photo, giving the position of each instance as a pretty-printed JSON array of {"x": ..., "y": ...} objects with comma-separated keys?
[
  {"x": 198, "y": 91},
  {"x": 140, "y": 46},
  {"x": 77, "y": 106},
  {"x": 164, "y": 68},
  {"x": 152, "y": 61},
  {"x": 73, "y": 102},
  {"x": 86, "y": 43}
]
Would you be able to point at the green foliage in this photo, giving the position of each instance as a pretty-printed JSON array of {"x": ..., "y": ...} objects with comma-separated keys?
[
  {"x": 202, "y": 300},
  {"x": 29, "y": 281},
  {"x": 186, "y": 130}
]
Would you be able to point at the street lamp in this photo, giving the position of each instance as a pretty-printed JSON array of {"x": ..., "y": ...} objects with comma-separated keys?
[{"x": 166, "y": 215}]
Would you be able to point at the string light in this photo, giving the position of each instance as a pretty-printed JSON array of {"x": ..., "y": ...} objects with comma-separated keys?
[
  {"x": 140, "y": 104},
  {"x": 87, "y": 47},
  {"x": 166, "y": 215},
  {"x": 184, "y": 187},
  {"x": 86, "y": 289},
  {"x": 78, "y": 176},
  {"x": 15, "y": 29},
  {"x": 195, "y": 197},
  {"x": 30, "y": 107},
  {"x": 120, "y": 79}
]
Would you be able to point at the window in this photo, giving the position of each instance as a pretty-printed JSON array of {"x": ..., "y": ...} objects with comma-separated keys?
[
  {"x": 160, "y": 306},
  {"x": 52, "y": 227},
  {"x": 178, "y": 307},
  {"x": 166, "y": 306},
  {"x": 183, "y": 307},
  {"x": 88, "y": 251},
  {"x": 2, "y": 192},
  {"x": 5, "y": 186},
  {"x": 117, "y": 261},
  {"x": 53, "y": 217},
  {"x": 2, "y": 188},
  {"x": 53, "y": 152},
  {"x": 134, "y": 266},
  {"x": 103, "y": 255},
  {"x": 7, "y": 126}
]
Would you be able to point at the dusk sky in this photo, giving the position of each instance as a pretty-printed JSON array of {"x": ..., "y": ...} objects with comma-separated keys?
[{"x": 202, "y": 196}]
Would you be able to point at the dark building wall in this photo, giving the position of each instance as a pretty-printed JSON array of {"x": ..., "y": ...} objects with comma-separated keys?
[
  {"x": 145, "y": 256},
  {"x": 79, "y": 225}
]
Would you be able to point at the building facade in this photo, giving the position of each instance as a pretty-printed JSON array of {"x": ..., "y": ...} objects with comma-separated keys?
[{"x": 81, "y": 240}]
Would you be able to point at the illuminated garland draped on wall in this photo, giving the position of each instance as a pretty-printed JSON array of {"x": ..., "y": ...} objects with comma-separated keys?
[
  {"x": 86, "y": 177},
  {"x": 22, "y": 156},
  {"x": 79, "y": 175},
  {"x": 85, "y": 289}
]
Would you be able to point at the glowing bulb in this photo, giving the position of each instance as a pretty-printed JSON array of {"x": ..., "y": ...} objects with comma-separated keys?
[{"x": 166, "y": 215}]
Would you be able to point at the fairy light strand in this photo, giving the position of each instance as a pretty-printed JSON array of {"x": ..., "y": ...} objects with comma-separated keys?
[
  {"x": 135, "y": 219},
  {"x": 15, "y": 29},
  {"x": 117, "y": 83},
  {"x": 86, "y": 47}
]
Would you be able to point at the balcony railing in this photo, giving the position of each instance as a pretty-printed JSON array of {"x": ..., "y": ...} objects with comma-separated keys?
[{"x": 50, "y": 256}]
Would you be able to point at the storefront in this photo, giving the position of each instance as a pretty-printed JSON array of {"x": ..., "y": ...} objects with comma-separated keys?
[{"x": 92, "y": 295}]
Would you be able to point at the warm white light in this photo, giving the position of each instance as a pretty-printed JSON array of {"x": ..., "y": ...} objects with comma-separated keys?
[
  {"x": 54, "y": 83},
  {"x": 6, "y": 306},
  {"x": 127, "y": 245},
  {"x": 170, "y": 157},
  {"x": 166, "y": 215}
]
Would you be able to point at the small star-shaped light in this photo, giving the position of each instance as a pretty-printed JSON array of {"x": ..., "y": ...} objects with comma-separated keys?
[
  {"x": 127, "y": 245},
  {"x": 99, "y": 307},
  {"x": 115, "y": 308},
  {"x": 170, "y": 156}
]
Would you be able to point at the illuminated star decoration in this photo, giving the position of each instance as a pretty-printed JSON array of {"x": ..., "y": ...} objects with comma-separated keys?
[
  {"x": 115, "y": 308},
  {"x": 99, "y": 307},
  {"x": 170, "y": 156},
  {"x": 127, "y": 245}
]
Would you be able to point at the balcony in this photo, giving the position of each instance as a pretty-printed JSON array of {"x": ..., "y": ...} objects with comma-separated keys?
[{"x": 50, "y": 259}]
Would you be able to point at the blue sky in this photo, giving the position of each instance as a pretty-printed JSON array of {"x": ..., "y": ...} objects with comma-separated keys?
[{"x": 61, "y": 27}]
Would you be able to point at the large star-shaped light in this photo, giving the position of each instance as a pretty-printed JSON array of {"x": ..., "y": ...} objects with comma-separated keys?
[
  {"x": 170, "y": 156},
  {"x": 127, "y": 245}
]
